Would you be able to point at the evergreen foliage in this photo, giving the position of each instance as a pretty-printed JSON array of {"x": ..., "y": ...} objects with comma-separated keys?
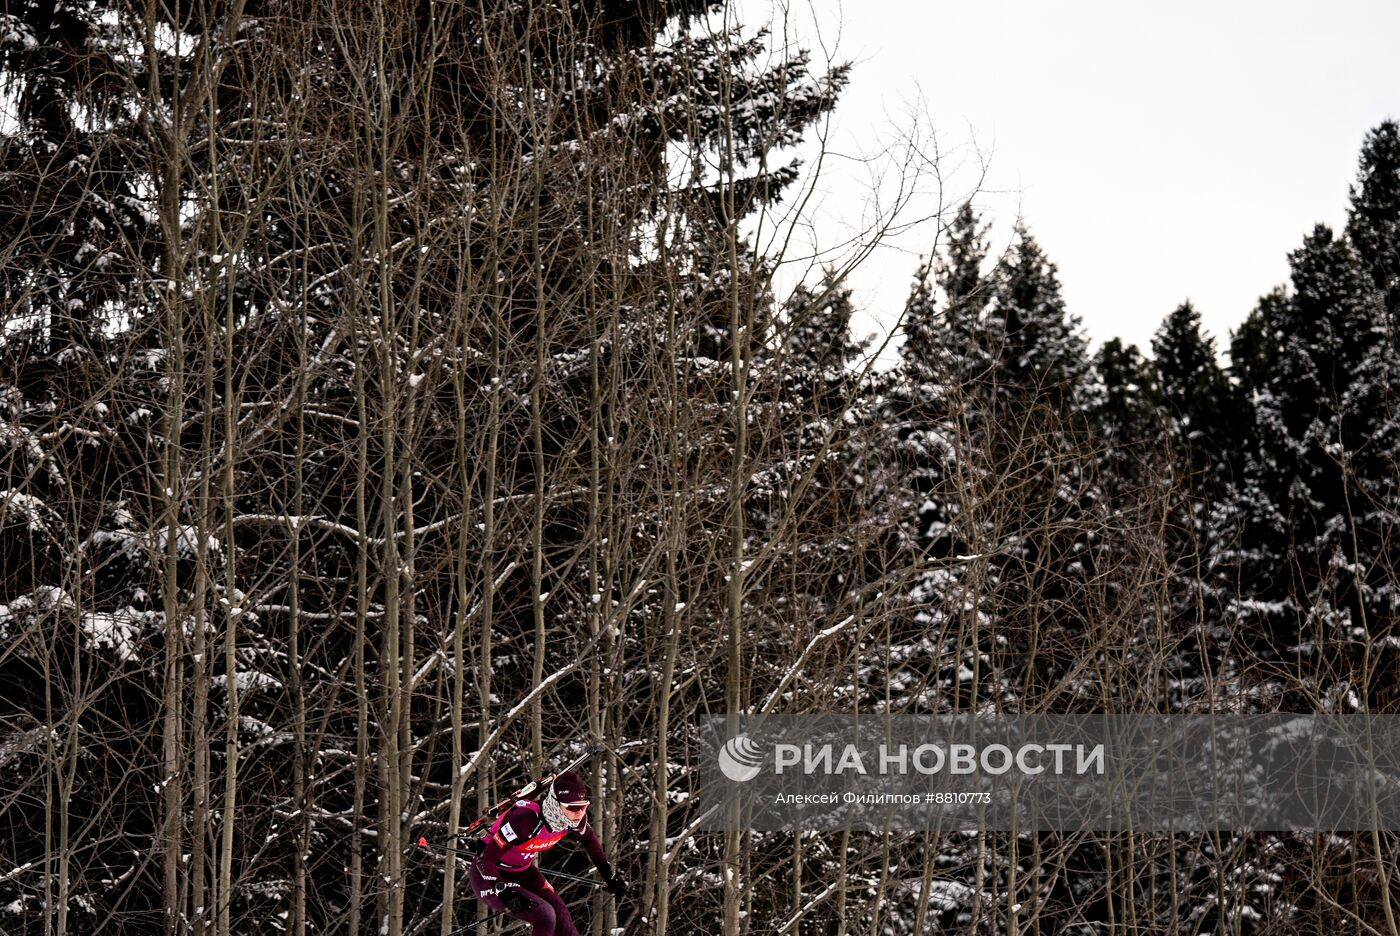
[
  {"x": 402, "y": 332},
  {"x": 1316, "y": 504},
  {"x": 1373, "y": 219},
  {"x": 390, "y": 396},
  {"x": 1126, "y": 416},
  {"x": 1193, "y": 390}
]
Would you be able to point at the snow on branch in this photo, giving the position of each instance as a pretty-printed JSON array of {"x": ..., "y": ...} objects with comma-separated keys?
[
  {"x": 294, "y": 523},
  {"x": 809, "y": 904},
  {"x": 688, "y": 832},
  {"x": 505, "y": 722},
  {"x": 793, "y": 670}
]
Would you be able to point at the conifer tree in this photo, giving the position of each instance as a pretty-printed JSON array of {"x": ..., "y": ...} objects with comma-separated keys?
[
  {"x": 943, "y": 337},
  {"x": 1316, "y": 500},
  {"x": 924, "y": 412},
  {"x": 819, "y": 347},
  {"x": 1040, "y": 349},
  {"x": 942, "y": 354},
  {"x": 432, "y": 269},
  {"x": 1125, "y": 417},
  {"x": 1373, "y": 220},
  {"x": 1251, "y": 360},
  {"x": 1006, "y": 476},
  {"x": 1042, "y": 461},
  {"x": 1195, "y": 395},
  {"x": 78, "y": 224},
  {"x": 918, "y": 415}
]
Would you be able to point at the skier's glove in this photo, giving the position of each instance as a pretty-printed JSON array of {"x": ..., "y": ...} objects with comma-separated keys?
[
  {"x": 512, "y": 899},
  {"x": 617, "y": 885}
]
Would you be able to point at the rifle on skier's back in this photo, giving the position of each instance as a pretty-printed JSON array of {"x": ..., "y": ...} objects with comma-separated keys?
[
  {"x": 524, "y": 791},
  {"x": 527, "y": 790}
]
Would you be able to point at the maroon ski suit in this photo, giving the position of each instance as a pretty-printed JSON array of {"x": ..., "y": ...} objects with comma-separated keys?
[{"x": 508, "y": 861}]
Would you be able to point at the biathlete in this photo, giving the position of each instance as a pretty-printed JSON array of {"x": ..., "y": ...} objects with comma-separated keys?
[{"x": 504, "y": 875}]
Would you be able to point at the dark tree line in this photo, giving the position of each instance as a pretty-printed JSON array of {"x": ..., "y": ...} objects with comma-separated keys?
[{"x": 392, "y": 403}]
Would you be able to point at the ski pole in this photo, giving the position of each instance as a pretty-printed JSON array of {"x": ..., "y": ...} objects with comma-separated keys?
[
  {"x": 564, "y": 875},
  {"x": 424, "y": 843},
  {"x": 471, "y": 926}
]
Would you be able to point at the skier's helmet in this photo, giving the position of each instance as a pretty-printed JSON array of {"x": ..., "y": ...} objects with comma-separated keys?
[{"x": 566, "y": 803}]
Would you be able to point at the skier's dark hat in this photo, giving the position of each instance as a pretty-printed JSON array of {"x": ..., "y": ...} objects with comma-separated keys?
[{"x": 569, "y": 787}]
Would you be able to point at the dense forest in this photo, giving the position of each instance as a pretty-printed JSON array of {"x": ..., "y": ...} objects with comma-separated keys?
[{"x": 395, "y": 401}]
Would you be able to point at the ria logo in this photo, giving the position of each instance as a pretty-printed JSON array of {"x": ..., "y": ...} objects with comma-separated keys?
[{"x": 741, "y": 759}]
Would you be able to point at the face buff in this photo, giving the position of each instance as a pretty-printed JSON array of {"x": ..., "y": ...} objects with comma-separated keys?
[
  {"x": 568, "y": 787},
  {"x": 554, "y": 816}
]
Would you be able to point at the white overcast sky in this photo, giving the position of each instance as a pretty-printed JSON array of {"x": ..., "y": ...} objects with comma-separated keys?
[{"x": 1159, "y": 151}]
